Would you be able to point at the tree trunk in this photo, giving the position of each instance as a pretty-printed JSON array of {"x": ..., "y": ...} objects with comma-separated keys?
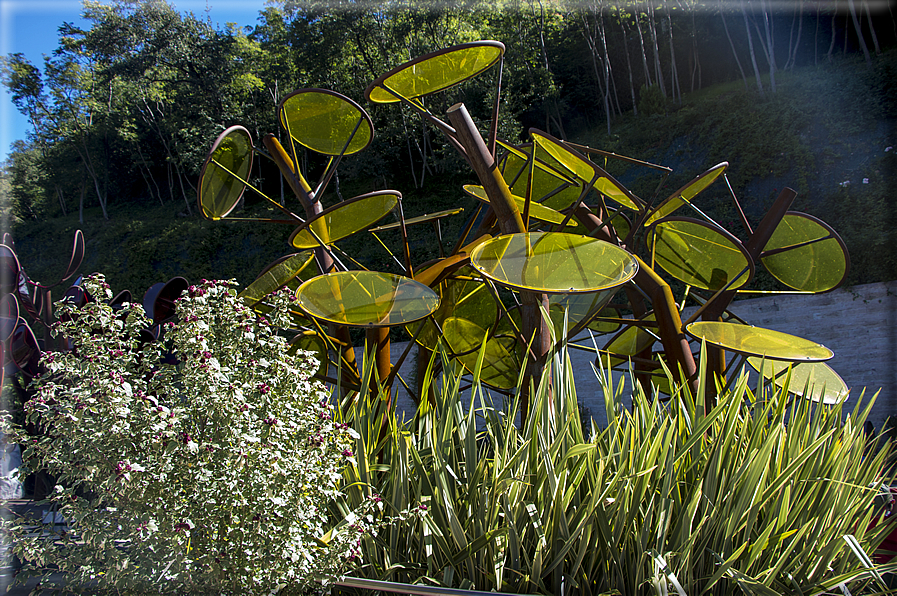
[
  {"x": 859, "y": 30},
  {"x": 768, "y": 45},
  {"x": 831, "y": 46},
  {"x": 177, "y": 170},
  {"x": 641, "y": 40},
  {"x": 747, "y": 27},
  {"x": 553, "y": 99},
  {"x": 61, "y": 198},
  {"x": 722, "y": 16},
  {"x": 794, "y": 17},
  {"x": 628, "y": 67},
  {"x": 675, "y": 89},
  {"x": 816, "y": 39},
  {"x": 658, "y": 73},
  {"x": 893, "y": 19},
  {"x": 148, "y": 176},
  {"x": 88, "y": 165},
  {"x": 423, "y": 152},
  {"x": 81, "y": 202},
  {"x": 172, "y": 163},
  {"x": 608, "y": 70},
  {"x": 872, "y": 28},
  {"x": 590, "y": 38},
  {"x": 606, "y": 60},
  {"x": 696, "y": 69},
  {"x": 792, "y": 49},
  {"x": 846, "y": 35},
  {"x": 408, "y": 143}
]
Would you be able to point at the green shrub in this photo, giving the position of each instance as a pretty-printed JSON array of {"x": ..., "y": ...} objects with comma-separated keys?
[
  {"x": 761, "y": 495},
  {"x": 211, "y": 474},
  {"x": 651, "y": 100}
]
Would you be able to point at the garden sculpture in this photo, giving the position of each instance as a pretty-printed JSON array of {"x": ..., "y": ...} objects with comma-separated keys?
[{"x": 559, "y": 249}]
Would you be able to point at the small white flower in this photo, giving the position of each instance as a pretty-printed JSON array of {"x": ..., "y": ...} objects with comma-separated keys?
[
  {"x": 845, "y": 184},
  {"x": 888, "y": 149},
  {"x": 865, "y": 181}
]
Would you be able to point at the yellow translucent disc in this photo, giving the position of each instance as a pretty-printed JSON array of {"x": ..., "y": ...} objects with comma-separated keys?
[
  {"x": 467, "y": 317},
  {"x": 817, "y": 263},
  {"x": 814, "y": 380},
  {"x": 279, "y": 274},
  {"x": 584, "y": 170},
  {"x": 554, "y": 262},
  {"x": 224, "y": 173},
  {"x": 344, "y": 219},
  {"x": 576, "y": 307},
  {"x": 428, "y": 217},
  {"x": 469, "y": 304},
  {"x": 326, "y": 122},
  {"x": 626, "y": 344},
  {"x": 501, "y": 364},
  {"x": 314, "y": 343},
  {"x": 605, "y": 326},
  {"x": 366, "y": 299},
  {"x": 757, "y": 341},
  {"x": 435, "y": 72},
  {"x": 536, "y": 211},
  {"x": 545, "y": 184},
  {"x": 699, "y": 254},
  {"x": 621, "y": 225},
  {"x": 687, "y": 192}
]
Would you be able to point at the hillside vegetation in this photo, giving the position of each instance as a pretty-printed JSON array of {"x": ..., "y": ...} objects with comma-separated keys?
[
  {"x": 826, "y": 126},
  {"x": 126, "y": 109}
]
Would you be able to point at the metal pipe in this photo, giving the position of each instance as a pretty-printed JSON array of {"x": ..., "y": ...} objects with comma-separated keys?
[{"x": 413, "y": 589}]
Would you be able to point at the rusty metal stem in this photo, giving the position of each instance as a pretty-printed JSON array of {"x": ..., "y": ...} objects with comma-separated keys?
[
  {"x": 509, "y": 222},
  {"x": 312, "y": 207}
]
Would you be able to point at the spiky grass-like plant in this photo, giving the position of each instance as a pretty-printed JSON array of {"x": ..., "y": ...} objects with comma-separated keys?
[{"x": 762, "y": 494}]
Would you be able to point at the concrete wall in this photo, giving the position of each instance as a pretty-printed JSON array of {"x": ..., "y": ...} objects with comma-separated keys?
[{"x": 859, "y": 324}]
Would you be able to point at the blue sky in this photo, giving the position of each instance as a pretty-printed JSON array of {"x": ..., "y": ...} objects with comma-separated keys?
[{"x": 30, "y": 27}]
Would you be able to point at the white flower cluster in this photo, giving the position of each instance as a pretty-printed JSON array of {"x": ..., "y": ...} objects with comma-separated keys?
[{"x": 203, "y": 462}]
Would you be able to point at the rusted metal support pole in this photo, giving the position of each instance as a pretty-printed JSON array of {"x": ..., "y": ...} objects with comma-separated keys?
[
  {"x": 377, "y": 340},
  {"x": 312, "y": 206},
  {"x": 509, "y": 222},
  {"x": 666, "y": 313},
  {"x": 297, "y": 181},
  {"x": 716, "y": 357}
]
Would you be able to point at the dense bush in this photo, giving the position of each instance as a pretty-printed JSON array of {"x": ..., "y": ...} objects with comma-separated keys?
[
  {"x": 202, "y": 463},
  {"x": 651, "y": 100}
]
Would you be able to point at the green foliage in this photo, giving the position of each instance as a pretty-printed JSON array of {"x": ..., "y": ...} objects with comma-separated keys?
[
  {"x": 206, "y": 471},
  {"x": 160, "y": 84},
  {"x": 651, "y": 100},
  {"x": 863, "y": 215},
  {"x": 760, "y": 495},
  {"x": 25, "y": 194}
]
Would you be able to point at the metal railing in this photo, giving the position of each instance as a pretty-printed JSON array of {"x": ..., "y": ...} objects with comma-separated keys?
[{"x": 375, "y": 585}]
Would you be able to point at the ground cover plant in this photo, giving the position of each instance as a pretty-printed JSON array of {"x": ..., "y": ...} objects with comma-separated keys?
[
  {"x": 762, "y": 494},
  {"x": 201, "y": 463}
]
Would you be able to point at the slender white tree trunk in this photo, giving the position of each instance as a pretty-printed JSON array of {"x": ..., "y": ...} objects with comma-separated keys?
[
  {"x": 747, "y": 27},
  {"x": 859, "y": 30},
  {"x": 722, "y": 15}
]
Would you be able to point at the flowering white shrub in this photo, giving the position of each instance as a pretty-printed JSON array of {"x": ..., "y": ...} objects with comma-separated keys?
[{"x": 204, "y": 462}]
